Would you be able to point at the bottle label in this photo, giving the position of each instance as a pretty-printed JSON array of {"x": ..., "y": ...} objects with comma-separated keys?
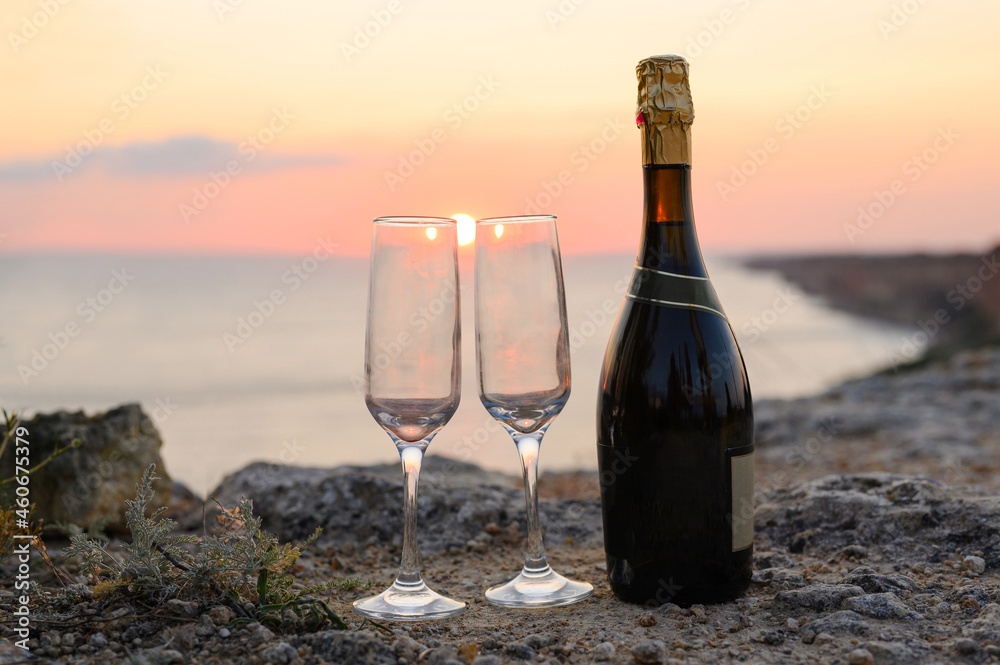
[
  {"x": 673, "y": 290},
  {"x": 741, "y": 472}
]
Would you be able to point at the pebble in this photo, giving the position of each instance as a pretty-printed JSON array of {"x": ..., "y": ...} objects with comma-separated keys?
[
  {"x": 487, "y": 660},
  {"x": 98, "y": 641},
  {"x": 966, "y": 646},
  {"x": 468, "y": 651},
  {"x": 220, "y": 615},
  {"x": 970, "y": 603},
  {"x": 775, "y": 636},
  {"x": 357, "y": 647},
  {"x": 881, "y": 606},
  {"x": 902, "y": 653},
  {"x": 792, "y": 626},
  {"x": 844, "y": 622},
  {"x": 170, "y": 656},
  {"x": 974, "y": 563},
  {"x": 780, "y": 578},
  {"x": 874, "y": 582},
  {"x": 824, "y": 638},
  {"x": 281, "y": 653},
  {"x": 205, "y": 627},
  {"x": 820, "y": 597},
  {"x": 260, "y": 634},
  {"x": 539, "y": 641},
  {"x": 224, "y": 633},
  {"x": 647, "y": 619},
  {"x": 183, "y": 607},
  {"x": 439, "y": 655},
  {"x": 603, "y": 651},
  {"x": 861, "y": 657},
  {"x": 406, "y": 647},
  {"x": 491, "y": 643},
  {"x": 650, "y": 652},
  {"x": 853, "y": 552},
  {"x": 520, "y": 651}
]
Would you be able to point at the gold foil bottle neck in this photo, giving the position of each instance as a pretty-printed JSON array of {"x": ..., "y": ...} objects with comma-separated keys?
[{"x": 664, "y": 111}]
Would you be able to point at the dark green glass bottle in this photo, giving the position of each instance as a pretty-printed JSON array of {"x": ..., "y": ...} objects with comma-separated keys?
[{"x": 675, "y": 417}]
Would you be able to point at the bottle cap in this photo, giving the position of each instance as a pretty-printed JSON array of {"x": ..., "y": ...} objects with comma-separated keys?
[{"x": 664, "y": 111}]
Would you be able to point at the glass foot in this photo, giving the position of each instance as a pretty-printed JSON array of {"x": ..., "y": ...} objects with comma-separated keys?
[
  {"x": 538, "y": 588},
  {"x": 408, "y": 602}
]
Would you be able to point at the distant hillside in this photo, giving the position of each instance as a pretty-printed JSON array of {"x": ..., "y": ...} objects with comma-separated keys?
[{"x": 954, "y": 298}]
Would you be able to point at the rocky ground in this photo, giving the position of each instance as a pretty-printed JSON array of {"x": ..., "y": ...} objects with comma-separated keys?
[{"x": 877, "y": 541}]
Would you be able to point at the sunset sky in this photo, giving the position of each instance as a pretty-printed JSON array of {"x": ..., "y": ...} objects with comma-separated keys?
[{"x": 255, "y": 126}]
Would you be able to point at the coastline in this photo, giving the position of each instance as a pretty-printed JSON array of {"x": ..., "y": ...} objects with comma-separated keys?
[{"x": 951, "y": 301}]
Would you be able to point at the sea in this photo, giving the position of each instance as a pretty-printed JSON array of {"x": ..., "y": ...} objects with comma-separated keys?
[{"x": 239, "y": 359}]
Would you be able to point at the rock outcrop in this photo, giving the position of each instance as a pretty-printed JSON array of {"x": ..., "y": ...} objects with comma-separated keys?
[
  {"x": 364, "y": 505},
  {"x": 93, "y": 481}
]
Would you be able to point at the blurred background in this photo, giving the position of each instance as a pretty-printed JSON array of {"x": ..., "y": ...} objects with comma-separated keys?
[{"x": 187, "y": 188}]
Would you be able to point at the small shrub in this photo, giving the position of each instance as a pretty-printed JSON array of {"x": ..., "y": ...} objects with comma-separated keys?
[{"x": 243, "y": 564}]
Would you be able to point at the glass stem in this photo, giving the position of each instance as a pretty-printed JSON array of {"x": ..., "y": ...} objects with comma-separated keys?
[
  {"x": 409, "y": 567},
  {"x": 527, "y": 448}
]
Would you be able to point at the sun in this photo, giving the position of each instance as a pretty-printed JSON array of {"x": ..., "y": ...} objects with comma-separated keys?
[{"x": 466, "y": 228}]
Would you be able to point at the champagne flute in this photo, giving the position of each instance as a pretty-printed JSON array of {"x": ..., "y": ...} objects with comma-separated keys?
[
  {"x": 412, "y": 377},
  {"x": 522, "y": 349}
]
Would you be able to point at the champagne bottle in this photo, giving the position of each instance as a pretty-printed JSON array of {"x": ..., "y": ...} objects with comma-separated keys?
[{"x": 675, "y": 418}]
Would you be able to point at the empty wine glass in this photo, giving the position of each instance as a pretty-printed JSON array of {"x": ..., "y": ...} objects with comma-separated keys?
[
  {"x": 522, "y": 349},
  {"x": 412, "y": 377}
]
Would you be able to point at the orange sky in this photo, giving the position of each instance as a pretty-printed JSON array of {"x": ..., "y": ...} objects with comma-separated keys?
[{"x": 251, "y": 126}]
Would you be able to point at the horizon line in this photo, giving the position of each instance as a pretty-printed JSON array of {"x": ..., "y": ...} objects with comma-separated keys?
[{"x": 465, "y": 249}]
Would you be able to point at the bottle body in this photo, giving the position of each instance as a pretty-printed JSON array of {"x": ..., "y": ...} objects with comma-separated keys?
[{"x": 675, "y": 422}]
